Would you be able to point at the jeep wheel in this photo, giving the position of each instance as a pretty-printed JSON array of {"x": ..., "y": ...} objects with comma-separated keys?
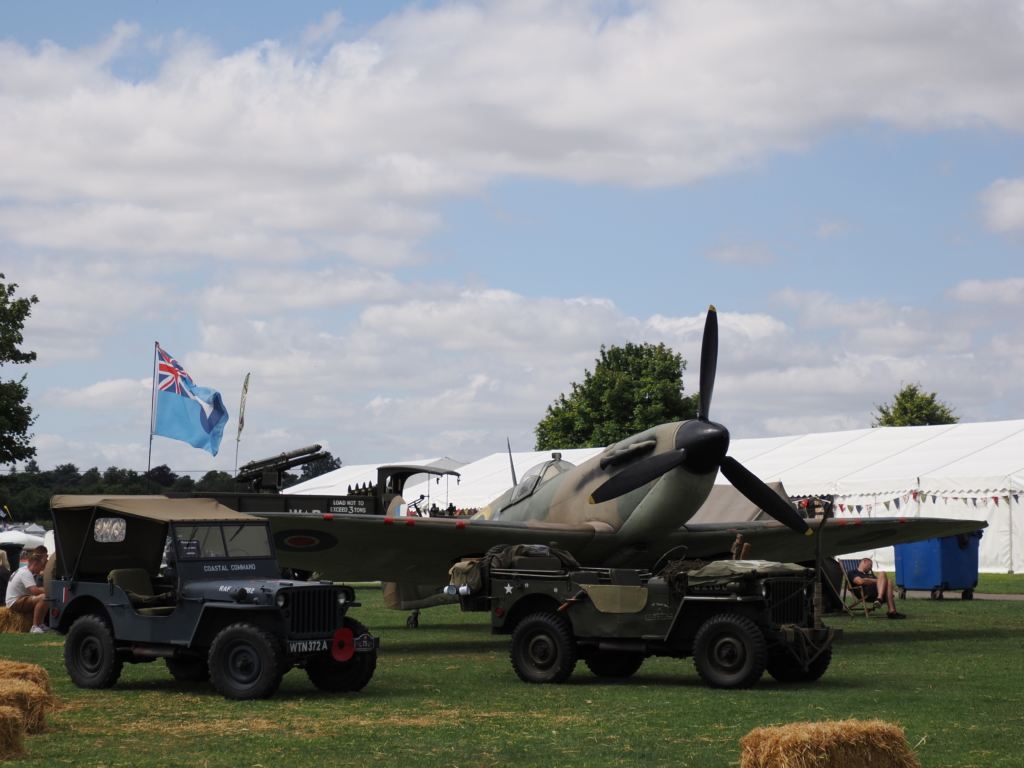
[
  {"x": 90, "y": 654},
  {"x": 329, "y": 674},
  {"x": 786, "y": 669},
  {"x": 615, "y": 663},
  {"x": 189, "y": 669},
  {"x": 543, "y": 649},
  {"x": 245, "y": 663},
  {"x": 729, "y": 651}
]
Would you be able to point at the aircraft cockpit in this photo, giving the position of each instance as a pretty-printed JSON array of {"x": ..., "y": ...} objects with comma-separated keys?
[{"x": 538, "y": 475}]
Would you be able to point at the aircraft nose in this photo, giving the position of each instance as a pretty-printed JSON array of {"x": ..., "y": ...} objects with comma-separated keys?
[{"x": 705, "y": 443}]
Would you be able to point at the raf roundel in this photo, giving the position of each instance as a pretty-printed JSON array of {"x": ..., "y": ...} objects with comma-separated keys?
[{"x": 304, "y": 541}]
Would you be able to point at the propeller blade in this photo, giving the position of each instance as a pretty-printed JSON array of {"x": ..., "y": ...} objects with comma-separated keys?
[
  {"x": 638, "y": 475},
  {"x": 751, "y": 486},
  {"x": 708, "y": 364}
]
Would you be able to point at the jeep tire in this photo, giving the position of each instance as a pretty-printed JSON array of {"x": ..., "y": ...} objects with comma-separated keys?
[
  {"x": 90, "y": 655},
  {"x": 329, "y": 674},
  {"x": 729, "y": 651},
  {"x": 543, "y": 649},
  {"x": 245, "y": 662},
  {"x": 189, "y": 669}
]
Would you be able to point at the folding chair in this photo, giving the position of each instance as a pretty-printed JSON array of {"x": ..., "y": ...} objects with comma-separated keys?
[{"x": 857, "y": 593}]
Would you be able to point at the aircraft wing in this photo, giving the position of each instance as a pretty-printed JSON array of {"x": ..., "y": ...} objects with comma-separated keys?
[
  {"x": 774, "y": 541},
  {"x": 411, "y": 550}
]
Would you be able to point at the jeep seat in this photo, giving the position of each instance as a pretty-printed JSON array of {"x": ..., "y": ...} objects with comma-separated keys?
[{"x": 136, "y": 584}]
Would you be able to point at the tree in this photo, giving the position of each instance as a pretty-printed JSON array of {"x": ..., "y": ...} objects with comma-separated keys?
[
  {"x": 320, "y": 467},
  {"x": 162, "y": 476},
  {"x": 632, "y": 389},
  {"x": 912, "y": 408},
  {"x": 15, "y": 414}
]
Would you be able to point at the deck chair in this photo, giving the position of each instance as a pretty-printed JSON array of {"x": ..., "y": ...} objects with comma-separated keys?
[{"x": 856, "y": 593}]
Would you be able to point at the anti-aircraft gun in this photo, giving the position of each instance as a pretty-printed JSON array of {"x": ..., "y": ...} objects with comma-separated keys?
[{"x": 267, "y": 475}]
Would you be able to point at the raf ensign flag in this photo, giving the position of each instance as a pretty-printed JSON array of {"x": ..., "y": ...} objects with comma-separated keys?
[{"x": 184, "y": 411}]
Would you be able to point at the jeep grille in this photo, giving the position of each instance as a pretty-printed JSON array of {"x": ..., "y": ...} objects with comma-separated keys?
[
  {"x": 312, "y": 611},
  {"x": 786, "y": 602}
]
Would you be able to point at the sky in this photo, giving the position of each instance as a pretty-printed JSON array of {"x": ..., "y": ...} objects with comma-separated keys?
[{"x": 416, "y": 224}]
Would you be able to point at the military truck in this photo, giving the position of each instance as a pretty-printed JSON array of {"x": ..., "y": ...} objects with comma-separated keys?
[
  {"x": 735, "y": 618},
  {"x": 197, "y": 584}
]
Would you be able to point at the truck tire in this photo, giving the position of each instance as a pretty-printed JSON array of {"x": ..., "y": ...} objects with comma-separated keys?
[
  {"x": 543, "y": 649},
  {"x": 328, "y": 674},
  {"x": 615, "y": 663},
  {"x": 189, "y": 669},
  {"x": 784, "y": 668},
  {"x": 90, "y": 654},
  {"x": 245, "y": 662},
  {"x": 729, "y": 651}
]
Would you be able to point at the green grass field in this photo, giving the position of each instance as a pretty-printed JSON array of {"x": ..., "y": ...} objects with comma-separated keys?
[
  {"x": 445, "y": 695},
  {"x": 1001, "y": 583}
]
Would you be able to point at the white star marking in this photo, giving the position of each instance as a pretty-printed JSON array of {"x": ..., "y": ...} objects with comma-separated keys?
[{"x": 508, "y": 589}]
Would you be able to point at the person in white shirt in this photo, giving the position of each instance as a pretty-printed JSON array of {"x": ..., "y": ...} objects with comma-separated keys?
[{"x": 23, "y": 596}]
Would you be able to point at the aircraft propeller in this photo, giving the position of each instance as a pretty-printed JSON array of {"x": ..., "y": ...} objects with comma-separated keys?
[{"x": 700, "y": 447}]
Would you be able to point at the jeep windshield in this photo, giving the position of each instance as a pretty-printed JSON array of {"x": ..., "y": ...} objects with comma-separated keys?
[{"x": 203, "y": 541}]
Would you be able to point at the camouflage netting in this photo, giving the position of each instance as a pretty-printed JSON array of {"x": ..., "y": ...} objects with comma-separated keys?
[
  {"x": 677, "y": 574},
  {"x": 683, "y": 573}
]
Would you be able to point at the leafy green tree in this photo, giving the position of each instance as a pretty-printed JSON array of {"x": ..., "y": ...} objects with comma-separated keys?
[
  {"x": 162, "y": 476},
  {"x": 216, "y": 481},
  {"x": 320, "y": 467},
  {"x": 914, "y": 408},
  {"x": 15, "y": 414},
  {"x": 631, "y": 389}
]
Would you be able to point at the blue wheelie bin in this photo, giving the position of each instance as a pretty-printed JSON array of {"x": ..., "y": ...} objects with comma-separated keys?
[{"x": 938, "y": 565}]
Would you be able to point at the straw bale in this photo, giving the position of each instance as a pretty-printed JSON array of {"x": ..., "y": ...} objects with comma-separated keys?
[
  {"x": 837, "y": 744},
  {"x": 11, "y": 622},
  {"x": 32, "y": 700},
  {"x": 12, "y": 729},
  {"x": 18, "y": 670}
]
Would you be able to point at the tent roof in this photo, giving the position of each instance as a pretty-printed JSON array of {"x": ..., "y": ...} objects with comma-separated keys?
[
  {"x": 951, "y": 457},
  {"x": 154, "y": 507},
  {"x": 337, "y": 481}
]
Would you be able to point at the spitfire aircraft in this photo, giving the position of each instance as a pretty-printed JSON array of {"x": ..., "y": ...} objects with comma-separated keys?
[{"x": 627, "y": 507}]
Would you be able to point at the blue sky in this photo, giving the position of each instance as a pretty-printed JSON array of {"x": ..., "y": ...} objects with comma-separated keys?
[{"x": 416, "y": 224}]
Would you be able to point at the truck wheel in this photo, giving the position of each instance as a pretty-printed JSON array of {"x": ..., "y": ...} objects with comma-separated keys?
[
  {"x": 90, "y": 654},
  {"x": 245, "y": 663},
  {"x": 784, "y": 668},
  {"x": 189, "y": 669},
  {"x": 328, "y": 674},
  {"x": 967, "y": 594},
  {"x": 543, "y": 649},
  {"x": 615, "y": 663},
  {"x": 729, "y": 651}
]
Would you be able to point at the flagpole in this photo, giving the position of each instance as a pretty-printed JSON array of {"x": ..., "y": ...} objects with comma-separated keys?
[{"x": 152, "y": 416}]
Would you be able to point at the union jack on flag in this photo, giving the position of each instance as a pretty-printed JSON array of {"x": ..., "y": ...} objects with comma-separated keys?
[{"x": 170, "y": 373}]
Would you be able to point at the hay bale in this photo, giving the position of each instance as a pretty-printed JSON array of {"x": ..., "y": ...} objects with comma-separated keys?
[
  {"x": 28, "y": 697},
  {"x": 837, "y": 744},
  {"x": 12, "y": 729},
  {"x": 17, "y": 670},
  {"x": 11, "y": 622}
]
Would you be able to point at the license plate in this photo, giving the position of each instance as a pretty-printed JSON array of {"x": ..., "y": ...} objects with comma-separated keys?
[{"x": 308, "y": 646}]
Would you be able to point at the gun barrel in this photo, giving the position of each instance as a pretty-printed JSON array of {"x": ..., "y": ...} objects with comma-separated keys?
[{"x": 261, "y": 464}]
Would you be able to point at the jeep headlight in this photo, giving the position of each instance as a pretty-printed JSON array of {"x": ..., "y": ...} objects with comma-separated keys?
[
  {"x": 282, "y": 600},
  {"x": 341, "y": 599}
]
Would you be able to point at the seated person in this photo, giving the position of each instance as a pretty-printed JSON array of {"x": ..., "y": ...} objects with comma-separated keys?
[
  {"x": 23, "y": 596},
  {"x": 875, "y": 587}
]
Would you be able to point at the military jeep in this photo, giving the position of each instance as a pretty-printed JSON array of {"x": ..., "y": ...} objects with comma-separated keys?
[
  {"x": 735, "y": 618},
  {"x": 139, "y": 578}
]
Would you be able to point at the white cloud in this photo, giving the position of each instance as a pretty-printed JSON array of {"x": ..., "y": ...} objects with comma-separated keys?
[
  {"x": 834, "y": 228},
  {"x": 1004, "y": 205},
  {"x": 1009, "y": 290},
  {"x": 116, "y": 394},
  {"x": 270, "y": 153}
]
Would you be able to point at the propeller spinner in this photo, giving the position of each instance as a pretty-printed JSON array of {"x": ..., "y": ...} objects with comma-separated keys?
[{"x": 700, "y": 447}]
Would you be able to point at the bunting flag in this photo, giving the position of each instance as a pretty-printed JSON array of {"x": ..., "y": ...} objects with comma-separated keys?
[
  {"x": 886, "y": 506},
  {"x": 897, "y": 503},
  {"x": 996, "y": 500}
]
